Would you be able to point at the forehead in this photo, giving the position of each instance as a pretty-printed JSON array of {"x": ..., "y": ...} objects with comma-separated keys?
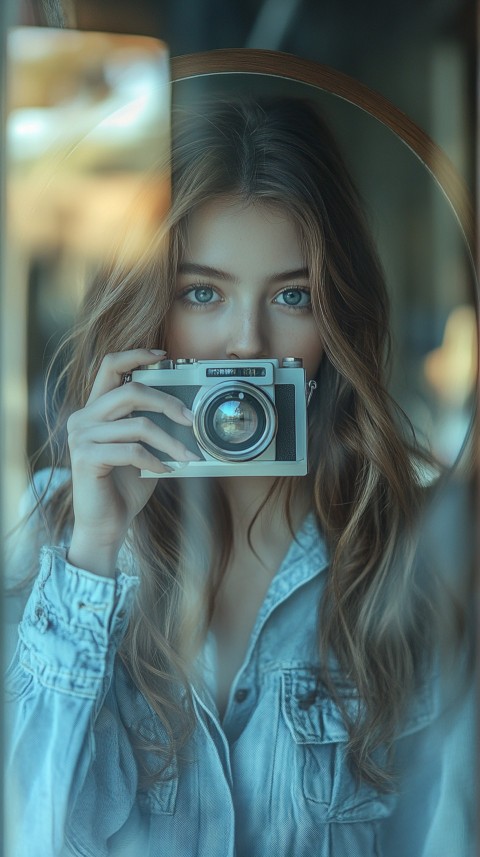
[{"x": 228, "y": 230}]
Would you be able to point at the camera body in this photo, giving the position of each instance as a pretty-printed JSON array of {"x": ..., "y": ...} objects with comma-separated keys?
[{"x": 250, "y": 416}]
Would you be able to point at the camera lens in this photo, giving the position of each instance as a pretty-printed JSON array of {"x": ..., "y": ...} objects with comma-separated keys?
[{"x": 235, "y": 422}]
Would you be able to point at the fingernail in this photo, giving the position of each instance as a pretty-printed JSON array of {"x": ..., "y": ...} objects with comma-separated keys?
[
  {"x": 157, "y": 351},
  {"x": 190, "y": 456},
  {"x": 188, "y": 414}
]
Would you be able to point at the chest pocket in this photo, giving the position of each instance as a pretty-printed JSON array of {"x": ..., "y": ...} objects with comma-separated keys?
[{"x": 320, "y": 764}]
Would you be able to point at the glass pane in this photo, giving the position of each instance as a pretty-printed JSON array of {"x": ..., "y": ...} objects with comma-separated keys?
[{"x": 88, "y": 137}]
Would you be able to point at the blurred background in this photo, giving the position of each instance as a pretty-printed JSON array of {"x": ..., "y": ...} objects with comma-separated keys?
[
  {"x": 87, "y": 148},
  {"x": 75, "y": 162}
]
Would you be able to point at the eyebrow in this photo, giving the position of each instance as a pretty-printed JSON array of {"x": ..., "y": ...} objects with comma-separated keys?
[
  {"x": 203, "y": 271},
  {"x": 207, "y": 271},
  {"x": 296, "y": 273}
]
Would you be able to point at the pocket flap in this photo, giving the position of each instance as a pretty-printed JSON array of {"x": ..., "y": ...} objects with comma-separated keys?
[
  {"x": 311, "y": 716},
  {"x": 314, "y": 718}
]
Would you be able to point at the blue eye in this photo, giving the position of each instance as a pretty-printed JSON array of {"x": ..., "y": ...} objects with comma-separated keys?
[
  {"x": 198, "y": 296},
  {"x": 202, "y": 294},
  {"x": 296, "y": 298}
]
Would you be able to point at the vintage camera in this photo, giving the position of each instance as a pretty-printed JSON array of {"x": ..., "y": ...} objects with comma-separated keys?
[{"x": 250, "y": 416}]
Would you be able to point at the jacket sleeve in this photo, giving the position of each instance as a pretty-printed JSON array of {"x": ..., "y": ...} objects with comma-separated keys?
[{"x": 56, "y": 687}]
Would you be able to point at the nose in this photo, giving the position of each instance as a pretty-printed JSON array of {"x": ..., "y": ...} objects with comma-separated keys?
[{"x": 247, "y": 335}]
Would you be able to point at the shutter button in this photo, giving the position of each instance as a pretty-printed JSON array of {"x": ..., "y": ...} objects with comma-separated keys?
[{"x": 241, "y": 694}]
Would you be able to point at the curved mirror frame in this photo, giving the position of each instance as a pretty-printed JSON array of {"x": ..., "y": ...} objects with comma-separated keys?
[{"x": 287, "y": 67}]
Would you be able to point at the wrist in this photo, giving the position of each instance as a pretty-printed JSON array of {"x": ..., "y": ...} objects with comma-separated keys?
[{"x": 88, "y": 552}]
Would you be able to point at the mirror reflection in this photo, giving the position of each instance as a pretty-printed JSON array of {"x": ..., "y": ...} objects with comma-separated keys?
[
  {"x": 237, "y": 632},
  {"x": 428, "y": 267}
]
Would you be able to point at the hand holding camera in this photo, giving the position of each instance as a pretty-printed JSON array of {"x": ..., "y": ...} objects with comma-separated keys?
[
  {"x": 191, "y": 418},
  {"x": 107, "y": 447}
]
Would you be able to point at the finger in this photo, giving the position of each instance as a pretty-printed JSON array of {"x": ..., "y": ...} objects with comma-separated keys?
[
  {"x": 103, "y": 457},
  {"x": 114, "y": 366},
  {"x": 120, "y": 402},
  {"x": 134, "y": 429}
]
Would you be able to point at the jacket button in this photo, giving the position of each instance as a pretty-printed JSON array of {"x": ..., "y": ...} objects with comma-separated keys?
[
  {"x": 241, "y": 694},
  {"x": 41, "y": 619},
  {"x": 308, "y": 700}
]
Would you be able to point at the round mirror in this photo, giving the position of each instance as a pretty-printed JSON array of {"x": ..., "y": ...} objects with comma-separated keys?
[{"x": 419, "y": 215}]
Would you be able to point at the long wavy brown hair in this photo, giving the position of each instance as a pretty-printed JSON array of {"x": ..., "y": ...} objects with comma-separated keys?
[{"x": 376, "y": 616}]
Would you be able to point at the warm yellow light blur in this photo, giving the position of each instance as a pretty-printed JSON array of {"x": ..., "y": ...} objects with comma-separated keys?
[
  {"x": 88, "y": 140},
  {"x": 451, "y": 369}
]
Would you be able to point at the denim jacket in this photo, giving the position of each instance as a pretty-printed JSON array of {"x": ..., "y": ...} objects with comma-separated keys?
[{"x": 270, "y": 778}]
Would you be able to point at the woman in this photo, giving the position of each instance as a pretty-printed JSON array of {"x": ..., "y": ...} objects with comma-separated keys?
[{"x": 234, "y": 665}]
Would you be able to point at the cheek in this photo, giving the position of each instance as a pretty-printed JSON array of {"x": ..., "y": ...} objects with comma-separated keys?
[
  {"x": 312, "y": 353},
  {"x": 188, "y": 336},
  {"x": 176, "y": 333},
  {"x": 303, "y": 343}
]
